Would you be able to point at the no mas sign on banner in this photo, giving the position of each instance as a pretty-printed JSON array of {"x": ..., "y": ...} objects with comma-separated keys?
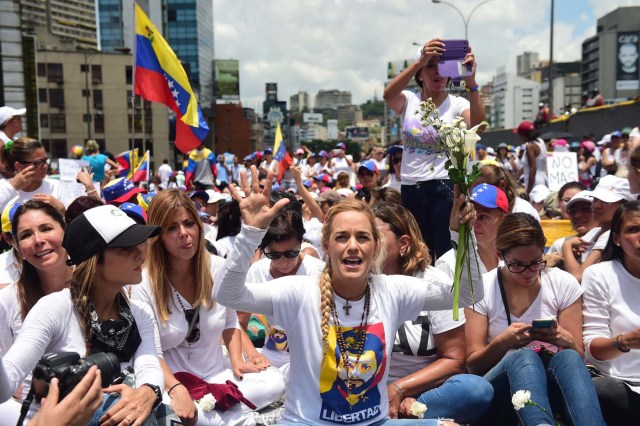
[{"x": 562, "y": 167}]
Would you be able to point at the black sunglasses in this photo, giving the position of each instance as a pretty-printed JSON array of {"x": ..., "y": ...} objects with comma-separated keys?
[
  {"x": 289, "y": 254},
  {"x": 194, "y": 336}
]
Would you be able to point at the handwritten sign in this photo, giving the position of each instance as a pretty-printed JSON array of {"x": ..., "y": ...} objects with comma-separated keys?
[
  {"x": 562, "y": 167},
  {"x": 69, "y": 168}
]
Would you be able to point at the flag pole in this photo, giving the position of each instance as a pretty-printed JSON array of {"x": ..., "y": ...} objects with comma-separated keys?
[{"x": 133, "y": 83}]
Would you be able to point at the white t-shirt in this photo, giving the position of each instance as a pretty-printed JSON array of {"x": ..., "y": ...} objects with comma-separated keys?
[
  {"x": 275, "y": 337},
  {"x": 203, "y": 358},
  {"x": 49, "y": 187},
  {"x": 541, "y": 165},
  {"x": 165, "y": 171},
  {"x": 269, "y": 166},
  {"x": 339, "y": 165},
  {"x": 521, "y": 205},
  {"x": 10, "y": 317},
  {"x": 611, "y": 297},
  {"x": 394, "y": 183},
  {"x": 421, "y": 159},
  {"x": 10, "y": 267},
  {"x": 53, "y": 326},
  {"x": 599, "y": 244},
  {"x": 314, "y": 394},
  {"x": 224, "y": 245},
  {"x": 414, "y": 346},
  {"x": 313, "y": 234},
  {"x": 558, "y": 291}
]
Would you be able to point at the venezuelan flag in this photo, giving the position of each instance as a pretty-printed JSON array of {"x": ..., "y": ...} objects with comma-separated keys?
[
  {"x": 126, "y": 161},
  {"x": 160, "y": 77},
  {"x": 280, "y": 153},
  {"x": 141, "y": 172},
  {"x": 197, "y": 156}
]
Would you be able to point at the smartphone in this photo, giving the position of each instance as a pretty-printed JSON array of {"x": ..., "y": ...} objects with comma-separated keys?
[
  {"x": 451, "y": 61},
  {"x": 543, "y": 323}
]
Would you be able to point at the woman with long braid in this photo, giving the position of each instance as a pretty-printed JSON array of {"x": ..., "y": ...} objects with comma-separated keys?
[{"x": 340, "y": 326}]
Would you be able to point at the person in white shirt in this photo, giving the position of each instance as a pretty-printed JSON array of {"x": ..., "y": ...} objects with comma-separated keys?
[
  {"x": 95, "y": 315},
  {"x": 429, "y": 353},
  {"x": 178, "y": 284},
  {"x": 611, "y": 323},
  {"x": 269, "y": 164},
  {"x": 340, "y": 325},
  {"x": 10, "y": 123},
  {"x": 393, "y": 178},
  {"x": 165, "y": 171},
  {"x": 503, "y": 340},
  {"x": 10, "y": 260},
  {"x": 281, "y": 247},
  {"x": 534, "y": 160}
]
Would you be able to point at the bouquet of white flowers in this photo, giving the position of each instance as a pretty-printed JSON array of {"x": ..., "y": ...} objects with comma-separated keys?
[{"x": 458, "y": 144}]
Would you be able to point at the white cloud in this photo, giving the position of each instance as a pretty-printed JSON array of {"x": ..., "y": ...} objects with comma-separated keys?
[{"x": 346, "y": 44}]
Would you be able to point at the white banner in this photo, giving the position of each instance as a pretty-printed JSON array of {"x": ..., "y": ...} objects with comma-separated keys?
[
  {"x": 69, "y": 168},
  {"x": 562, "y": 167}
]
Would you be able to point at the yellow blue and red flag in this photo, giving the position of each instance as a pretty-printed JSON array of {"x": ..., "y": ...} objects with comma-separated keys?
[
  {"x": 160, "y": 77},
  {"x": 280, "y": 153},
  {"x": 141, "y": 171},
  {"x": 127, "y": 161}
]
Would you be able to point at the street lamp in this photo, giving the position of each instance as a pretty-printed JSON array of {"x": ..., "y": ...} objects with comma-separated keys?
[{"x": 464, "y": 20}]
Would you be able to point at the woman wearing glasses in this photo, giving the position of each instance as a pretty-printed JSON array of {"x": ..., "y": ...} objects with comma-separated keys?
[
  {"x": 178, "y": 283},
  {"x": 505, "y": 344},
  {"x": 27, "y": 158},
  {"x": 393, "y": 178}
]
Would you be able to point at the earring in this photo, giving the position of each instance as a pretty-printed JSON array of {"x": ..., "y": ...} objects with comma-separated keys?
[{"x": 401, "y": 254}]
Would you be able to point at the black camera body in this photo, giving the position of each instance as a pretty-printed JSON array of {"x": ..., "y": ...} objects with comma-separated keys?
[{"x": 69, "y": 369}]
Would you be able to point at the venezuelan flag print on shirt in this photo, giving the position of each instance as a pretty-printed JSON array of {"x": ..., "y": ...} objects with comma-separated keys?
[{"x": 160, "y": 77}]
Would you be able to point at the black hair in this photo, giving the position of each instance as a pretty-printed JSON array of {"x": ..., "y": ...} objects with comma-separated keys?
[
  {"x": 79, "y": 206},
  {"x": 570, "y": 185},
  {"x": 229, "y": 219},
  {"x": 292, "y": 205},
  {"x": 287, "y": 224},
  {"x": 613, "y": 251}
]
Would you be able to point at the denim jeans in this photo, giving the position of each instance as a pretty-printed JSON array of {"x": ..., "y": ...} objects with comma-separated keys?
[
  {"x": 110, "y": 400},
  {"x": 565, "y": 381},
  {"x": 463, "y": 397},
  {"x": 430, "y": 203}
]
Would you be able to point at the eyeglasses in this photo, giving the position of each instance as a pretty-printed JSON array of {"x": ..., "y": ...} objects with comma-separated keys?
[
  {"x": 37, "y": 164},
  {"x": 397, "y": 160},
  {"x": 518, "y": 268},
  {"x": 289, "y": 254},
  {"x": 194, "y": 336},
  {"x": 579, "y": 209}
]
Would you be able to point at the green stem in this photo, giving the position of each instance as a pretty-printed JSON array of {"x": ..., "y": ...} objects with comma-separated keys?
[{"x": 460, "y": 255}]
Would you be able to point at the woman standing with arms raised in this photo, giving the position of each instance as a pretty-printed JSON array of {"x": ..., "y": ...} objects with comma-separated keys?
[
  {"x": 426, "y": 189},
  {"x": 340, "y": 324}
]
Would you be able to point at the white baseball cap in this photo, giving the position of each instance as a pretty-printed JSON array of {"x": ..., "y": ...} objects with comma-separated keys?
[
  {"x": 605, "y": 139},
  {"x": 611, "y": 189},
  {"x": 7, "y": 113},
  {"x": 539, "y": 193},
  {"x": 586, "y": 196},
  {"x": 214, "y": 196}
]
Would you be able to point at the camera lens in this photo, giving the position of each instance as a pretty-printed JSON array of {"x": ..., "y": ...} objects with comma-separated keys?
[{"x": 107, "y": 363}]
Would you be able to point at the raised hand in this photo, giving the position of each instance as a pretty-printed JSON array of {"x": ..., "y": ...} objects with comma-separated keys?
[
  {"x": 461, "y": 212},
  {"x": 255, "y": 207}
]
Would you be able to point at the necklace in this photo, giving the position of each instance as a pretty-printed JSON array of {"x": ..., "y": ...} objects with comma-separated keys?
[
  {"x": 193, "y": 331},
  {"x": 356, "y": 345}
]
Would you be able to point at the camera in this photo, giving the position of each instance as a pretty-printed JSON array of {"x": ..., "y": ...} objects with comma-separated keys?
[{"x": 69, "y": 369}]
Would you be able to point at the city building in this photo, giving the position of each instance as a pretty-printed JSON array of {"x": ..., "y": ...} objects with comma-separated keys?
[
  {"x": 87, "y": 95},
  {"x": 116, "y": 19},
  {"x": 617, "y": 41},
  {"x": 514, "y": 99},
  {"x": 567, "y": 92},
  {"x": 349, "y": 114},
  {"x": 314, "y": 132},
  {"x": 332, "y": 99},
  {"x": 299, "y": 102},
  {"x": 233, "y": 125},
  {"x": 69, "y": 20},
  {"x": 526, "y": 64},
  {"x": 274, "y": 112}
]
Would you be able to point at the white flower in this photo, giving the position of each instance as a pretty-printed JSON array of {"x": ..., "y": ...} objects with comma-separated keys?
[
  {"x": 418, "y": 409},
  {"x": 207, "y": 403},
  {"x": 520, "y": 399}
]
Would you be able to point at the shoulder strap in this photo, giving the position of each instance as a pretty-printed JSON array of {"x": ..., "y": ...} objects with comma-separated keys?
[{"x": 504, "y": 296}]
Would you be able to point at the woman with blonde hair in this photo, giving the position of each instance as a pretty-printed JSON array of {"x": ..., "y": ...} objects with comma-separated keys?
[
  {"x": 340, "y": 325},
  {"x": 178, "y": 283},
  {"x": 95, "y": 315},
  {"x": 96, "y": 160},
  {"x": 428, "y": 354}
]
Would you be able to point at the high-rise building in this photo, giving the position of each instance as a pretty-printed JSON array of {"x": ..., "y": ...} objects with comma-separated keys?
[
  {"x": 69, "y": 20},
  {"x": 610, "y": 58},
  {"x": 526, "y": 63},
  {"x": 331, "y": 99},
  {"x": 514, "y": 99},
  {"x": 116, "y": 21},
  {"x": 299, "y": 102}
]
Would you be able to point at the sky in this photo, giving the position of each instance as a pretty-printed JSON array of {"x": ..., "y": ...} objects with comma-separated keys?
[{"x": 346, "y": 44}]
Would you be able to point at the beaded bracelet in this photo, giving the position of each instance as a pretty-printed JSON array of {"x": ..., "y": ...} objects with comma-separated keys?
[
  {"x": 472, "y": 89},
  {"x": 618, "y": 344},
  {"x": 399, "y": 390},
  {"x": 172, "y": 388}
]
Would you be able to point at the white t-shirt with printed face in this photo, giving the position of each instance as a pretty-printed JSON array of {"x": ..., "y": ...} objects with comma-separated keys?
[
  {"x": 203, "y": 358},
  {"x": 414, "y": 346},
  {"x": 558, "y": 291},
  {"x": 421, "y": 158}
]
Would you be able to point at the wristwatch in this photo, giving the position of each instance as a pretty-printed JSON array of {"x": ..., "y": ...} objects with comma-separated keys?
[{"x": 158, "y": 392}]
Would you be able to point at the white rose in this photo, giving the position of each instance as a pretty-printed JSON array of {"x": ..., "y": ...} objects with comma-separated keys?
[
  {"x": 520, "y": 399},
  {"x": 418, "y": 409},
  {"x": 207, "y": 403}
]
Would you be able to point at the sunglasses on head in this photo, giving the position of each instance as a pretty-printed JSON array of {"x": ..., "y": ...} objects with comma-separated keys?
[
  {"x": 289, "y": 254},
  {"x": 194, "y": 336}
]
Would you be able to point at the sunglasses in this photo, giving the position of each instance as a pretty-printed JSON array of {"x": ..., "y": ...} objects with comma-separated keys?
[
  {"x": 579, "y": 209},
  {"x": 289, "y": 254},
  {"x": 37, "y": 164},
  {"x": 194, "y": 336},
  {"x": 397, "y": 160}
]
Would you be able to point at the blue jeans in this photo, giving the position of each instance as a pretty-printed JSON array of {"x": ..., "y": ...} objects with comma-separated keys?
[
  {"x": 430, "y": 203},
  {"x": 565, "y": 381},
  {"x": 110, "y": 400},
  {"x": 463, "y": 397}
]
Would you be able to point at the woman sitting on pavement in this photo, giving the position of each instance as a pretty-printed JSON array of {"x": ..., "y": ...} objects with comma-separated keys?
[
  {"x": 505, "y": 346},
  {"x": 428, "y": 354},
  {"x": 611, "y": 322},
  {"x": 498, "y": 176},
  {"x": 95, "y": 315},
  {"x": 340, "y": 325},
  {"x": 178, "y": 283}
]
